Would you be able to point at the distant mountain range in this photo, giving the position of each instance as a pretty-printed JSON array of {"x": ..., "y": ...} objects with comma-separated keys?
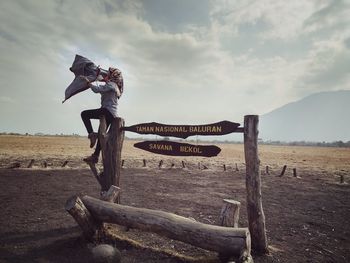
[{"x": 319, "y": 117}]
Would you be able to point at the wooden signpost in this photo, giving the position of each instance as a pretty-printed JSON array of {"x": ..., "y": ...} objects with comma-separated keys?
[
  {"x": 178, "y": 149},
  {"x": 183, "y": 131}
]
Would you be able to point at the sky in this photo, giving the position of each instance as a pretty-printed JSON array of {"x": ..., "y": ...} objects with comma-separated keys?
[{"x": 183, "y": 61}]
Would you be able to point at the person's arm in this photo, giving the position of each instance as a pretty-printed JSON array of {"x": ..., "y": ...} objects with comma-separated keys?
[{"x": 109, "y": 86}]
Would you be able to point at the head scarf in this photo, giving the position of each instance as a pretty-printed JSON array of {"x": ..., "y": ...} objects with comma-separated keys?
[{"x": 115, "y": 75}]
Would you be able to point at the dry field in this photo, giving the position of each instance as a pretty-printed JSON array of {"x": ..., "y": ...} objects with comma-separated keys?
[{"x": 306, "y": 217}]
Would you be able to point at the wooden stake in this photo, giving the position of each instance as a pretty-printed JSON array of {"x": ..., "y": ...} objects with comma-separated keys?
[
  {"x": 65, "y": 163},
  {"x": 45, "y": 164},
  {"x": 76, "y": 208},
  {"x": 144, "y": 162},
  {"x": 30, "y": 165},
  {"x": 225, "y": 240},
  {"x": 229, "y": 215},
  {"x": 237, "y": 168},
  {"x": 256, "y": 216},
  {"x": 123, "y": 163},
  {"x": 295, "y": 172},
  {"x": 341, "y": 178},
  {"x": 283, "y": 170},
  {"x": 267, "y": 169},
  {"x": 183, "y": 164},
  {"x": 160, "y": 164},
  {"x": 112, "y": 194},
  {"x": 225, "y": 167},
  {"x": 199, "y": 165}
]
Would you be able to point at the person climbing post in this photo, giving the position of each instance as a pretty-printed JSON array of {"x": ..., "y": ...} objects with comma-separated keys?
[{"x": 110, "y": 94}]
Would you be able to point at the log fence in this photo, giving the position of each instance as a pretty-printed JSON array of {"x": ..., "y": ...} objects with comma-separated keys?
[{"x": 226, "y": 239}]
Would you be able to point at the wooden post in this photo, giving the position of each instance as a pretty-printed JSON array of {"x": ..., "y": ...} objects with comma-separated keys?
[
  {"x": 199, "y": 165},
  {"x": 123, "y": 163},
  {"x": 31, "y": 163},
  {"x": 144, "y": 162},
  {"x": 256, "y": 216},
  {"x": 183, "y": 164},
  {"x": 75, "y": 207},
  {"x": 44, "y": 164},
  {"x": 225, "y": 167},
  {"x": 225, "y": 240},
  {"x": 283, "y": 170},
  {"x": 172, "y": 165},
  {"x": 267, "y": 169},
  {"x": 341, "y": 178},
  {"x": 229, "y": 215},
  {"x": 111, "y": 147},
  {"x": 237, "y": 168},
  {"x": 160, "y": 164}
]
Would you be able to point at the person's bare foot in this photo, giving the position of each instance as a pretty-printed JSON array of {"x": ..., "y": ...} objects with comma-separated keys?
[
  {"x": 93, "y": 138},
  {"x": 91, "y": 159}
]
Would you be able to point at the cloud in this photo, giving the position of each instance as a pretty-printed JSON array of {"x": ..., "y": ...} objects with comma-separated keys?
[{"x": 228, "y": 59}]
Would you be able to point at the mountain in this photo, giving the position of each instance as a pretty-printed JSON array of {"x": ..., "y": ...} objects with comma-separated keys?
[{"x": 319, "y": 117}]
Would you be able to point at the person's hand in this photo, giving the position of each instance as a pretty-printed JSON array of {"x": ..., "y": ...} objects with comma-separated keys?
[{"x": 85, "y": 78}]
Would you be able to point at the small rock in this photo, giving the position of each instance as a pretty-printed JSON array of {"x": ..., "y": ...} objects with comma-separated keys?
[{"x": 106, "y": 254}]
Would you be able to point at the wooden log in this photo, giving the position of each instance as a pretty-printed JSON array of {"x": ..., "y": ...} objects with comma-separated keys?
[
  {"x": 225, "y": 240},
  {"x": 256, "y": 216},
  {"x": 283, "y": 170},
  {"x": 111, "y": 195},
  {"x": 64, "y": 163},
  {"x": 75, "y": 207},
  {"x": 229, "y": 215},
  {"x": 30, "y": 165},
  {"x": 111, "y": 147},
  {"x": 267, "y": 169}
]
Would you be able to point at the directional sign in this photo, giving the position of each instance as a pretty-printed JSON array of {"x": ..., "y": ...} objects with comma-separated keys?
[
  {"x": 183, "y": 131},
  {"x": 178, "y": 149}
]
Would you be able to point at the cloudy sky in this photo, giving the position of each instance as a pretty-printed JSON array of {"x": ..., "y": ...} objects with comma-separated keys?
[{"x": 184, "y": 61}]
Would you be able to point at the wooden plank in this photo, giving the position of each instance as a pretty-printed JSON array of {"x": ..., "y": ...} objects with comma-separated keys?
[
  {"x": 178, "y": 149},
  {"x": 184, "y": 131}
]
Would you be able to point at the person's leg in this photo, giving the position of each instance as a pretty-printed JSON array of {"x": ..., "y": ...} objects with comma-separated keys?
[
  {"x": 109, "y": 118},
  {"x": 87, "y": 115}
]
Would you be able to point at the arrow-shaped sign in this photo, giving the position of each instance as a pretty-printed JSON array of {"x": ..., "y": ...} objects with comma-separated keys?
[
  {"x": 178, "y": 149},
  {"x": 184, "y": 131}
]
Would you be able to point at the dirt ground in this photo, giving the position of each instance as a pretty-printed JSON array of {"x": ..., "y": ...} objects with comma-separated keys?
[{"x": 307, "y": 218}]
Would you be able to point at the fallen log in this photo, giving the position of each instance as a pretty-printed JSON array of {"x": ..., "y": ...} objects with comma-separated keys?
[{"x": 225, "y": 240}]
